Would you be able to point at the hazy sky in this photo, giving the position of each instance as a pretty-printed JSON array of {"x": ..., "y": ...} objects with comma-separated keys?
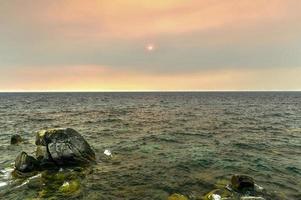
[{"x": 150, "y": 45}]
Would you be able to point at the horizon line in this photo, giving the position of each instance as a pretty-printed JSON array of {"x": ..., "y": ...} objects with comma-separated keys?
[{"x": 125, "y": 91}]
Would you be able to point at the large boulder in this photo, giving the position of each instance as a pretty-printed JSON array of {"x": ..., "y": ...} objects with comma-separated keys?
[
  {"x": 44, "y": 158},
  {"x": 63, "y": 147},
  {"x": 25, "y": 163}
]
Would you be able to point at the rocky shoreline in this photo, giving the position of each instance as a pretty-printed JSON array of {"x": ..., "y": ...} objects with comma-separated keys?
[{"x": 62, "y": 156}]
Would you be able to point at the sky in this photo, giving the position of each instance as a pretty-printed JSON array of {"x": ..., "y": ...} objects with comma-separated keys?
[{"x": 150, "y": 45}]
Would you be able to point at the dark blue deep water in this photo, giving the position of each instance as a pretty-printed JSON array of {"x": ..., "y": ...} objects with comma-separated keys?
[{"x": 162, "y": 143}]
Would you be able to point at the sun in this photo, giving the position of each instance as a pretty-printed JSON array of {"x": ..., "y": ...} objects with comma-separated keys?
[{"x": 150, "y": 47}]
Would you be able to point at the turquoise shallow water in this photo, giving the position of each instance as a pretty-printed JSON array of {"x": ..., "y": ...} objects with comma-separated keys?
[{"x": 162, "y": 143}]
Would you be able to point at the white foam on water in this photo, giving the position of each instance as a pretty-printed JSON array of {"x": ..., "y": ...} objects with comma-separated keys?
[
  {"x": 36, "y": 176},
  {"x": 258, "y": 187},
  {"x": 6, "y": 173},
  {"x": 251, "y": 198},
  {"x": 27, "y": 181},
  {"x": 66, "y": 184},
  {"x": 24, "y": 183},
  {"x": 2, "y": 184},
  {"x": 107, "y": 152},
  {"x": 216, "y": 197}
]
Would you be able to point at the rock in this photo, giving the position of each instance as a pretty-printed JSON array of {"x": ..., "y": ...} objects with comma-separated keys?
[
  {"x": 177, "y": 197},
  {"x": 242, "y": 183},
  {"x": 70, "y": 187},
  {"x": 16, "y": 139},
  {"x": 44, "y": 158},
  {"x": 62, "y": 183},
  {"x": 241, "y": 188},
  {"x": 25, "y": 163},
  {"x": 219, "y": 194},
  {"x": 64, "y": 147}
]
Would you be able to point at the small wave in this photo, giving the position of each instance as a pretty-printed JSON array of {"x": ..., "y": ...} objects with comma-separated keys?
[
  {"x": 40, "y": 119},
  {"x": 294, "y": 169},
  {"x": 108, "y": 120}
]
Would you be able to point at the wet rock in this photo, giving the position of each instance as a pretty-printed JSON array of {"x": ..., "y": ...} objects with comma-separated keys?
[
  {"x": 70, "y": 187},
  {"x": 25, "y": 163},
  {"x": 177, "y": 197},
  {"x": 64, "y": 147},
  {"x": 65, "y": 182},
  {"x": 44, "y": 157},
  {"x": 223, "y": 194},
  {"x": 242, "y": 183},
  {"x": 241, "y": 188},
  {"x": 219, "y": 194},
  {"x": 16, "y": 139}
]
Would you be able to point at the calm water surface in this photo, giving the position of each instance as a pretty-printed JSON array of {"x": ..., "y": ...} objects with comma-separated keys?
[{"x": 162, "y": 143}]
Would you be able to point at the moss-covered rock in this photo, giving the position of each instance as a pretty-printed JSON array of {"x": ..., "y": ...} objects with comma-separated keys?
[
  {"x": 218, "y": 194},
  {"x": 70, "y": 187},
  {"x": 177, "y": 197},
  {"x": 63, "y": 183}
]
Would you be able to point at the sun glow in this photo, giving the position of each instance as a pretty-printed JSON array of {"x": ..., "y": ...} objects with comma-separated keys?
[{"x": 150, "y": 47}]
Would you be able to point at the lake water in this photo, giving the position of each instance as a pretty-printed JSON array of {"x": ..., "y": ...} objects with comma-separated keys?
[{"x": 161, "y": 143}]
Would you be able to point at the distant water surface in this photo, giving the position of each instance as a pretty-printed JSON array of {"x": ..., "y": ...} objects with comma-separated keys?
[{"x": 163, "y": 143}]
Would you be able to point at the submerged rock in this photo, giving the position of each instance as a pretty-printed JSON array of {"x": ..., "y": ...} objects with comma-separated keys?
[
  {"x": 64, "y": 147},
  {"x": 16, "y": 139},
  {"x": 177, "y": 197},
  {"x": 219, "y": 194},
  {"x": 25, "y": 163},
  {"x": 63, "y": 183},
  {"x": 241, "y": 187},
  {"x": 242, "y": 183},
  {"x": 70, "y": 187}
]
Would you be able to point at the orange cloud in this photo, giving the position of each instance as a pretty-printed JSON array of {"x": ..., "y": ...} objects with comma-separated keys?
[
  {"x": 141, "y": 19},
  {"x": 101, "y": 78}
]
